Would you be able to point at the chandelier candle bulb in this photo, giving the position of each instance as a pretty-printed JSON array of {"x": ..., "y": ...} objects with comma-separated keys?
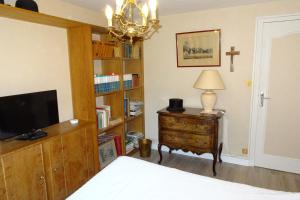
[
  {"x": 153, "y": 7},
  {"x": 145, "y": 14},
  {"x": 109, "y": 15},
  {"x": 119, "y": 4}
]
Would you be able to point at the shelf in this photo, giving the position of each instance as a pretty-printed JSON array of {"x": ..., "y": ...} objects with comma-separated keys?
[
  {"x": 133, "y": 88},
  {"x": 131, "y": 153},
  {"x": 110, "y": 127},
  {"x": 107, "y": 93},
  {"x": 128, "y": 119},
  {"x": 109, "y": 58},
  {"x": 131, "y": 59}
]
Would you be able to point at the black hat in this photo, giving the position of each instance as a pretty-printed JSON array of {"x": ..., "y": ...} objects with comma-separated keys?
[
  {"x": 175, "y": 105},
  {"x": 28, "y": 5}
]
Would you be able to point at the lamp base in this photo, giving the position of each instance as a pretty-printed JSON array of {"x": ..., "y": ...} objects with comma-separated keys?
[{"x": 208, "y": 100}]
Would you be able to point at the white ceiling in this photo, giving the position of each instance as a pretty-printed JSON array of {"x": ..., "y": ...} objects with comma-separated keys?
[{"x": 169, "y": 7}]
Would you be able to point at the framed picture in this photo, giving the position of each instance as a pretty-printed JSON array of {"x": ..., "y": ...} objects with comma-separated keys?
[
  {"x": 107, "y": 152},
  {"x": 199, "y": 49}
]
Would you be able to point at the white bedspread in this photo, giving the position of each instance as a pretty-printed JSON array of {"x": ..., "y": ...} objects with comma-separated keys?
[{"x": 132, "y": 179}]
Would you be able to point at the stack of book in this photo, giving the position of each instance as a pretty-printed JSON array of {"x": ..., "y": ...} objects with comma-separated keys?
[
  {"x": 106, "y": 83},
  {"x": 135, "y": 108},
  {"x": 103, "y": 116},
  {"x": 103, "y": 138},
  {"x": 134, "y": 137},
  {"x": 132, "y": 51},
  {"x": 129, "y": 146},
  {"x": 127, "y": 78}
]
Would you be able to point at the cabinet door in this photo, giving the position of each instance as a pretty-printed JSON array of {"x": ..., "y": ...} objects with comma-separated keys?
[
  {"x": 2, "y": 184},
  {"x": 24, "y": 174},
  {"x": 75, "y": 159},
  {"x": 55, "y": 173},
  {"x": 92, "y": 150}
]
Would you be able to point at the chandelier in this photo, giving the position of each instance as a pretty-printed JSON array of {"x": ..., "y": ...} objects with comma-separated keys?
[{"x": 131, "y": 20}]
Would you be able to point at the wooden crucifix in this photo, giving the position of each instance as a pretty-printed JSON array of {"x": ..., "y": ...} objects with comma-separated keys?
[{"x": 232, "y": 53}]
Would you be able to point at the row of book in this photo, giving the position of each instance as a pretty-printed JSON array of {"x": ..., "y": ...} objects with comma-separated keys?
[
  {"x": 106, "y": 83},
  {"x": 132, "y": 140},
  {"x": 110, "y": 83},
  {"x": 132, "y": 51},
  {"x": 132, "y": 108},
  {"x": 103, "y": 116},
  {"x": 130, "y": 80}
]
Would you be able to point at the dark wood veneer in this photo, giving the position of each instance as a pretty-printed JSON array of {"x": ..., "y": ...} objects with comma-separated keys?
[{"x": 191, "y": 131}]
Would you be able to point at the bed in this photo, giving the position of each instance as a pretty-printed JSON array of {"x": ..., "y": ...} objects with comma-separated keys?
[{"x": 132, "y": 179}]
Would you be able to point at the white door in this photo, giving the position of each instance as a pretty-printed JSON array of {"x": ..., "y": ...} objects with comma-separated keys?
[{"x": 275, "y": 125}]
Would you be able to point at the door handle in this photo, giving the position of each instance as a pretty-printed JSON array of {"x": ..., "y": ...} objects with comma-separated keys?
[{"x": 262, "y": 98}]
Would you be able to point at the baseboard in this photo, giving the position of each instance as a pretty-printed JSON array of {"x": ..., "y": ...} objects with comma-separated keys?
[{"x": 226, "y": 158}]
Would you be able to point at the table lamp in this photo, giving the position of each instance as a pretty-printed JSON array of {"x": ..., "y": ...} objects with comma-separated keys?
[{"x": 209, "y": 80}]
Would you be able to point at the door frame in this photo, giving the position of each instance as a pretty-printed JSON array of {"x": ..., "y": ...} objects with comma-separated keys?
[{"x": 256, "y": 76}]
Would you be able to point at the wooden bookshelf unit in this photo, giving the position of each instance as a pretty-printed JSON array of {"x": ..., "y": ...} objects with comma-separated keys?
[
  {"x": 121, "y": 66},
  {"x": 83, "y": 67}
]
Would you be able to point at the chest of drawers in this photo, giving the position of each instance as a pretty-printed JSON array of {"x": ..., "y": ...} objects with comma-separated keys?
[{"x": 191, "y": 131}]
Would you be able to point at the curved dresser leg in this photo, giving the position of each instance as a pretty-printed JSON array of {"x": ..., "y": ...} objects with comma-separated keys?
[
  {"x": 214, "y": 163},
  {"x": 220, "y": 152},
  {"x": 160, "y": 155}
]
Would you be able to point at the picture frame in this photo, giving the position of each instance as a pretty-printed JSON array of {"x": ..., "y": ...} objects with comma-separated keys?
[
  {"x": 107, "y": 153},
  {"x": 199, "y": 48}
]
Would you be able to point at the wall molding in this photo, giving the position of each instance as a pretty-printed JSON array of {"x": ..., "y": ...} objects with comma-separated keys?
[{"x": 238, "y": 160}]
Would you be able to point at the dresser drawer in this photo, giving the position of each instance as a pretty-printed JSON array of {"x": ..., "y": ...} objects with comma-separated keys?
[
  {"x": 197, "y": 126},
  {"x": 180, "y": 139}
]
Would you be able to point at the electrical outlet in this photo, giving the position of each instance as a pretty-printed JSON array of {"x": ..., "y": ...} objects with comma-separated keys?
[{"x": 245, "y": 151}]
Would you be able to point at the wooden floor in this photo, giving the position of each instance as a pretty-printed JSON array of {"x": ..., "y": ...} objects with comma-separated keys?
[{"x": 254, "y": 176}]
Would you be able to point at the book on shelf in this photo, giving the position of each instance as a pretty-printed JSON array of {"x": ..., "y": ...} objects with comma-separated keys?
[
  {"x": 126, "y": 107},
  {"x": 135, "y": 108},
  {"x": 132, "y": 51},
  {"x": 106, "y": 83},
  {"x": 134, "y": 136},
  {"x": 118, "y": 143},
  {"x": 130, "y": 80},
  {"x": 127, "y": 80},
  {"x": 129, "y": 147},
  {"x": 135, "y": 80},
  {"x": 103, "y": 116}
]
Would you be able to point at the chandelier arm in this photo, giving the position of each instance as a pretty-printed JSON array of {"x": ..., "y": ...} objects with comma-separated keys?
[{"x": 116, "y": 34}]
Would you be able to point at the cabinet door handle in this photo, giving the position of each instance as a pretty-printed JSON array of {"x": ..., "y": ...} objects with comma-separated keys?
[
  {"x": 42, "y": 179},
  {"x": 55, "y": 169}
]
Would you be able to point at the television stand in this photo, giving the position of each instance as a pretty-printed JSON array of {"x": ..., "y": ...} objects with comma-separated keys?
[{"x": 32, "y": 135}]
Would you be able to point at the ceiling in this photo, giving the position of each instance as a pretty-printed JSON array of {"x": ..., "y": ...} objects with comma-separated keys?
[{"x": 169, "y": 7}]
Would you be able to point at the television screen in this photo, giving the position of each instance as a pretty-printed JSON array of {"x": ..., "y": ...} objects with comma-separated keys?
[{"x": 27, "y": 112}]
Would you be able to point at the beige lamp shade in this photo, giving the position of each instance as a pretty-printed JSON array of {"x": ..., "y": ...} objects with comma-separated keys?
[{"x": 209, "y": 80}]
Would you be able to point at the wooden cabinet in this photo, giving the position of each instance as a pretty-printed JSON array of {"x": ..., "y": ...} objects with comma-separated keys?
[
  {"x": 75, "y": 157},
  {"x": 2, "y": 184},
  {"x": 190, "y": 130},
  {"x": 55, "y": 171},
  {"x": 49, "y": 168},
  {"x": 24, "y": 174}
]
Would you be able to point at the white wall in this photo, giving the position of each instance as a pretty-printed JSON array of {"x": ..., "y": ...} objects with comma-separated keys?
[
  {"x": 164, "y": 80},
  {"x": 70, "y": 11},
  {"x": 35, "y": 58}
]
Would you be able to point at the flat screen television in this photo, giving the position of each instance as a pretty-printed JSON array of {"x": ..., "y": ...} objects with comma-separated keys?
[{"x": 27, "y": 112}]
